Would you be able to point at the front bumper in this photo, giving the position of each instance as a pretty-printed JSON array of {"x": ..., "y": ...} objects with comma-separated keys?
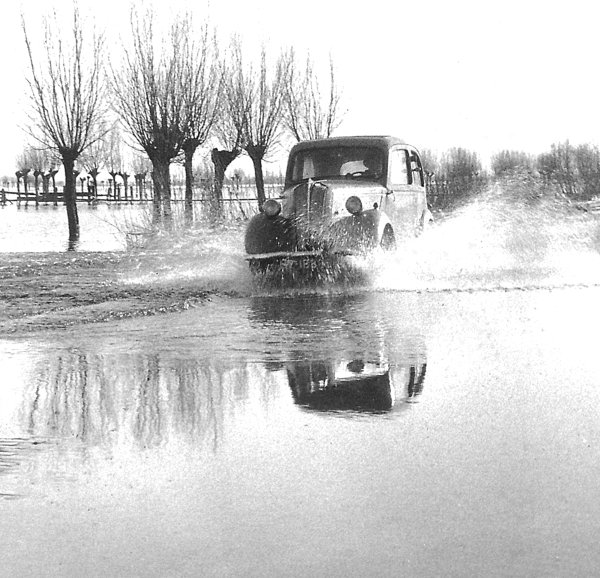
[{"x": 295, "y": 255}]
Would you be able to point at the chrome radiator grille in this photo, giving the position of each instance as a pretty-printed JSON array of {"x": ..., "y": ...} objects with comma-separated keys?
[{"x": 310, "y": 202}]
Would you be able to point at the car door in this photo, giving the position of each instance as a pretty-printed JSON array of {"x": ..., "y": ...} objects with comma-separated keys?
[
  {"x": 401, "y": 202},
  {"x": 417, "y": 178}
]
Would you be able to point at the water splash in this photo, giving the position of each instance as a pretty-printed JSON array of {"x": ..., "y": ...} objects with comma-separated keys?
[
  {"x": 511, "y": 237},
  {"x": 207, "y": 259}
]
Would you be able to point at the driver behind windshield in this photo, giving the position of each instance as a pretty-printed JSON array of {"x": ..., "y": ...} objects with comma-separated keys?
[{"x": 373, "y": 164}]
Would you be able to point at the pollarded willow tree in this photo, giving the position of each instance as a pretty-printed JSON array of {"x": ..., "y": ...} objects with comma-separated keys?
[
  {"x": 93, "y": 160},
  {"x": 228, "y": 133},
  {"x": 312, "y": 110},
  {"x": 67, "y": 92},
  {"x": 24, "y": 167},
  {"x": 201, "y": 91},
  {"x": 150, "y": 97},
  {"x": 114, "y": 158},
  {"x": 141, "y": 166},
  {"x": 40, "y": 161},
  {"x": 36, "y": 161},
  {"x": 255, "y": 105}
]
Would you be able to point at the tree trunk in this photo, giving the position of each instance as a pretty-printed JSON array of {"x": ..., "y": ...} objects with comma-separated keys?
[
  {"x": 54, "y": 189},
  {"x": 140, "y": 182},
  {"x": 26, "y": 185},
  {"x": 113, "y": 174},
  {"x": 36, "y": 176},
  {"x": 221, "y": 160},
  {"x": 138, "y": 185},
  {"x": 260, "y": 183},
  {"x": 156, "y": 200},
  {"x": 162, "y": 192},
  {"x": 189, "y": 180},
  {"x": 94, "y": 174},
  {"x": 70, "y": 201},
  {"x": 125, "y": 178}
]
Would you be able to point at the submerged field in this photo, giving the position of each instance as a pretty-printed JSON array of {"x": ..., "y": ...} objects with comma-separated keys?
[
  {"x": 163, "y": 414},
  {"x": 504, "y": 240},
  {"x": 62, "y": 289}
]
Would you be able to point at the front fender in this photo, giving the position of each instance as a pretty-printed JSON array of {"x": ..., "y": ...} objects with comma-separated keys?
[
  {"x": 269, "y": 235},
  {"x": 360, "y": 232}
]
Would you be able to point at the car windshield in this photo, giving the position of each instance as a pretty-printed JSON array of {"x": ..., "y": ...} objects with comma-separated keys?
[{"x": 337, "y": 162}]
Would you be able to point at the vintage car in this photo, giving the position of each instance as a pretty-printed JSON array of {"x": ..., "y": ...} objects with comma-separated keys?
[{"x": 342, "y": 196}]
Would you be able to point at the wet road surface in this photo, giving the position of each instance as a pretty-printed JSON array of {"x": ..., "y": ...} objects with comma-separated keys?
[
  {"x": 441, "y": 419},
  {"x": 366, "y": 433}
]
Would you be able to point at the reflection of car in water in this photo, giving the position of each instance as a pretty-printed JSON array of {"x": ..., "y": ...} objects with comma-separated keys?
[
  {"x": 354, "y": 385},
  {"x": 344, "y": 352},
  {"x": 342, "y": 196}
]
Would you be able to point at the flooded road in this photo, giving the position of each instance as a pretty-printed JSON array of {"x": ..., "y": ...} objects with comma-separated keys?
[
  {"x": 442, "y": 420},
  {"x": 280, "y": 436}
]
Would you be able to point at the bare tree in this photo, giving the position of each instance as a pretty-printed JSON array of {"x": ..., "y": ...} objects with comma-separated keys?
[
  {"x": 507, "y": 161},
  {"x": 93, "y": 161},
  {"x": 24, "y": 164},
  {"x": 202, "y": 86},
  {"x": 141, "y": 166},
  {"x": 68, "y": 96},
  {"x": 114, "y": 161},
  {"x": 311, "y": 112},
  {"x": 33, "y": 160},
  {"x": 558, "y": 166},
  {"x": 255, "y": 100},
  {"x": 149, "y": 96},
  {"x": 39, "y": 163},
  {"x": 587, "y": 161},
  {"x": 229, "y": 133}
]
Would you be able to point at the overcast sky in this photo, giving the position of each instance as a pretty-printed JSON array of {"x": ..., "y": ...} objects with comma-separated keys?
[{"x": 483, "y": 75}]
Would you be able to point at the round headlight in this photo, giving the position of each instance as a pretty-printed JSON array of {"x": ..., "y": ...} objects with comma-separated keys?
[
  {"x": 354, "y": 205},
  {"x": 271, "y": 208}
]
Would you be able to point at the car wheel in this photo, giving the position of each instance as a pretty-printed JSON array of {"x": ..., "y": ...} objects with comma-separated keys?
[
  {"x": 424, "y": 223},
  {"x": 388, "y": 241}
]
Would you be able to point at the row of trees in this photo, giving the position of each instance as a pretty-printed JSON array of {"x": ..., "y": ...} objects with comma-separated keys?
[
  {"x": 451, "y": 178},
  {"x": 172, "y": 92},
  {"x": 457, "y": 175},
  {"x": 105, "y": 154},
  {"x": 574, "y": 169}
]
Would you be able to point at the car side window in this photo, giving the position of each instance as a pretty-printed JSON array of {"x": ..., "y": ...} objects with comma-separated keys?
[
  {"x": 399, "y": 167},
  {"x": 416, "y": 170}
]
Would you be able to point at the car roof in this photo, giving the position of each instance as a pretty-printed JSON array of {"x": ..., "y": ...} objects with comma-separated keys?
[{"x": 381, "y": 141}]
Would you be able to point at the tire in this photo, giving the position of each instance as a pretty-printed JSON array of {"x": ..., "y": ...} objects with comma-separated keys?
[
  {"x": 425, "y": 222},
  {"x": 388, "y": 240}
]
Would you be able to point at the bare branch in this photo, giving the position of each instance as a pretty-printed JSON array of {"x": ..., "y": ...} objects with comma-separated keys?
[
  {"x": 67, "y": 92},
  {"x": 309, "y": 114},
  {"x": 67, "y": 88}
]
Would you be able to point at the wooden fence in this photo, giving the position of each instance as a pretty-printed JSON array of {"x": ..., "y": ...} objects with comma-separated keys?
[{"x": 241, "y": 194}]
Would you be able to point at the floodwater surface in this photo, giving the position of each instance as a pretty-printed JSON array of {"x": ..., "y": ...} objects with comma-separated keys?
[
  {"x": 44, "y": 228},
  {"x": 441, "y": 419}
]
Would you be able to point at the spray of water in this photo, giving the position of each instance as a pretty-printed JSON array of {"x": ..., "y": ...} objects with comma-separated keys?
[
  {"x": 209, "y": 259},
  {"x": 511, "y": 237}
]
